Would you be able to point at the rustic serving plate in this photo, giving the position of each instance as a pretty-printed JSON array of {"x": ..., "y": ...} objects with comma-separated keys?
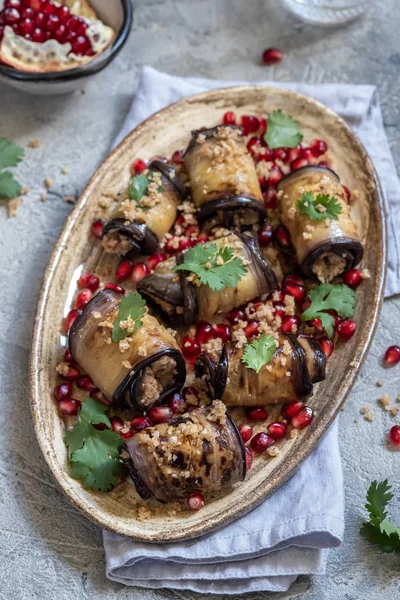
[{"x": 75, "y": 252}]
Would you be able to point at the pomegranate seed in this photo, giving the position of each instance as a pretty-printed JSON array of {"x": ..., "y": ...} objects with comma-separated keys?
[
  {"x": 281, "y": 236},
  {"x": 98, "y": 395},
  {"x": 69, "y": 406},
  {"x": 223, "y": 332},
  {"x": 177, "y": 157},
  {"x": 267, "y": 154},
  {"x": 294, "y": 286},
  {"x": 265, "y": 235},
  {"x": 229, "y": 118},
  {"x": 278, "y": 430},
  {"x": 277, "y": 297},
  {"x": 68, "y": 357},
  {"x": 292, "y": 409},
  {"x": 13, "y": 4},
  {"x": 138, "y": 166},
  {"x": 70, "y": 318},
  {"x": 177, "y": 404},
  {"x": 306, "y": 153},
  {"x": 251, "y": 329},
  {"x": 318, "y": 147},
  {"x": 73, "y": 24},
  {"x": 49, "y": 8},
  {"x": 257, "y": 413},
  {"x": 97, "y": 226},
  {"x": 249, "y": 459},
  {"x": 72, "y": 374},
  {"x": 392, "y": 356},
  {"x": 298, "y": 163},
  {"x": 317, "y": 324},
  {"x": 28, "y": 13},
  {"x": 52, "y": 23},
  {"x": 261, "y": 442},
  {"x": 87, "y": 280},
  {"x": 281, "y": 154},
  {"x": 337, "y": 319},
  {"x": 195, "y": 501},
  {"x": 63, "y": 14},
  {"x": 276, "y": 175},
  {"x": 124, "y": 270},
  {"x": 140, "y": 423},
  {"x": 190, "y": 348},
  {"x": 236, "y": 315},
  {"x": 40, "y": 20},
  {"x": 306, "y": 304},
  {"x": 251, "y": 143},
  {"x": 326, "y": 346},
  {"x": 303, "y": 418},
  {"x": 293, "y": 153},
  {"x": 115, "y": 287},
  {"x": 352, "y": 278},
  {"x": 83, "y": 297},
  {"x": 279, "y": 313},
  {"x": 185, "y": 244},
  {"x": 84, "y": 382},
  {"x": 290, "y": 324},
  {"x": 325, "y": 163},
  {"x": 26, "y": 27},
  {"x": 160, "y": 414},
  {"x": 153, "y": 260},
  {"x": 116, "y": 424},
  {"x": 346, "y": 329},
  {"x": 11, "y": 16},
  {"x": 347, "y": 193},
  {"x": 36, "y": 5},
  {"x": 80, "y": 45},
  {"x": 270, "y": 56},
  {"x": 128, "y": 435},
  {"x": 204, "y": 332},
  {"x": 246, "y": 431},
  {"x": 270, "y": 198},
  {"x": 395, "y": 435},
  {"x": 82, "y": 29},
  {"x": 62, "y": 391},
  {"x": 263, "y": 125},
  {"x": 250, "y": 124}
]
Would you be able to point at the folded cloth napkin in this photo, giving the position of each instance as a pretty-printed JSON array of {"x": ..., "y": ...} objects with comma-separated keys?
[{"x": 291, "y": 532}]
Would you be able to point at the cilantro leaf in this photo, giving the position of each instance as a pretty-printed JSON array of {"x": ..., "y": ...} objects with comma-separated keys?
[
  {"x": 311, "y": 207},
  {"x": 9, "y": 188},
  {"x": 379, "y": 531},
  {"x": 282, "y": 131},
  {"x": 327, "y": 296},
  {"x": 94, "y": 454},
  {"x": 260, "y": 352},
  {"x": 215, "y": 267},
  {"x": 378, "y": 496},
  {"x": 10, "y": 154},
  {"x": 132, "y": 307},
  {"x": 138, "y": 187}
]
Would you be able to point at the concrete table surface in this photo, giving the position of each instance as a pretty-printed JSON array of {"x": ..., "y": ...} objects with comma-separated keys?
[{"x": 47, "y": 549}]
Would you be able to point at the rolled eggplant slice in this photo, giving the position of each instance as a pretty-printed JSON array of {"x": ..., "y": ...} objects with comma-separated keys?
[
  {"x": 139, "y": 373},
  {"x": 325, "y": 248},
  {"x": 175, "y": 296},
  {"x": 132, "y": 228},
  {"x": 284, "y": 379},
  {"x": 199, "y": 451},
  {"x": 315, "y": 357},
  {"x": 223, "y": 177}
]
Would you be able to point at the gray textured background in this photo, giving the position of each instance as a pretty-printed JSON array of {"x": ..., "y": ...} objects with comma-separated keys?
[{"x": 47, "y": 549}]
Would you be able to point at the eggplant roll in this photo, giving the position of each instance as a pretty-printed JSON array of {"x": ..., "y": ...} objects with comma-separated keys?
[
  {"x": 132, "y": 228},
  {"x": 324, "y": 248},
  {"x": 290, "y": 375},
  {"x": 223, "y": 177},
  {"x": 199, "y": 451},
  {"x": 139, "y": 373},
  {"x": 180, "y": 299}
]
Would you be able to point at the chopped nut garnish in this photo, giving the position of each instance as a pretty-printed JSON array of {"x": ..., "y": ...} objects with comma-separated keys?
[
  {"x": 34, "y": 144},
  {"x": 48, "y": 182},
  {"x": 379, "y": 383},
  {"x": 65, "y": 170}
]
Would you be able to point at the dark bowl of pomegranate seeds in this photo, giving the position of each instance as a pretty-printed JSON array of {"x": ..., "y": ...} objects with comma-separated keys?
[{"x": 49, "y": 47}]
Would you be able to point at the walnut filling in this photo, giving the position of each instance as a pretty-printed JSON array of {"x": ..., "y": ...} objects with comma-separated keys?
[
  {"x": 328, "y": 265},
  {"x": 245, "y": 217},
  {"x": 156, "y": 378},
  {"x": 115, "y": 243}
]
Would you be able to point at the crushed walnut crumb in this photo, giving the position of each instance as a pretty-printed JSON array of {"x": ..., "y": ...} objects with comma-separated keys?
[
  {"x": 48, "y": 182},
  {"x": 34, "y": 143}
]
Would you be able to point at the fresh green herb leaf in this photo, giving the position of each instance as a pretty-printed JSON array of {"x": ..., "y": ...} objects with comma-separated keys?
[
  {"x": 138, "y": 187},
  {"x": 260, "y": 352},
  {"x": 10, "y": 154},
  {"x": 327, "y": 296},
  {"x": 9, "y": 188},
  {"x": 94, "y": 453},
  {"x": 282, "y": 131},
  {"x": 131, "y": 307},
  {"x": 379, "y": 531},
  {"x": 215, "y": 267},
  {"x": 322, "y": 207}
]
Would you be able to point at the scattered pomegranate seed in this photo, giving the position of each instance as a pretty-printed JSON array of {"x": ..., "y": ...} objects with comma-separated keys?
[
  {"x": 278, "y": 430},
  {"x": 11, "y": 16},
  {"x": 293, "y": 153},
  {"x": 160, "y": 414},
  {"x": 204, "y": 332},
  {"x": 185, "y": 244},
  {"x": 62, "y": 391},
  {"x": 140, "y": 423},
  {"x": 290, "y": 324},
  {"x": 251, "y": 143},
  {"x": 153, "y": 260},
  {"x": 83, "y": 298},
  {"x": 98, "y": 395},
  {"x": 270, "y": 56},
  {"x": 13, "y": 4},
  {"x": 236, "y": 315},
  {"x": 282, "y": 237},
  {"x": 128, "y": 435},
  {"x": 229, "y": 118},
  {"x": 392, "y": 356},
  {"x": 97, "y": 226},
  {"x": 195, "y": 501},
  {"x": 246, "y": 431},
  {"x": 337, "y": 319},
  {"x": 303, "y": 418},
  {"x": 266, "y": 154},
  {"x": 88, "y": 280},
  {"x": 190, "y": 348},
  {"x": 395, "y": 435},
  {"x": 346, "y": 329},
  {"x": 317, "y": 324},
  {"x": 270, "y": 198},
  {"x": 116, "y": 424},
  {"x": 352, "y": 278},
  {"x": 69, "y": 406},
  {"x": 257, "y": 413},
  {"x": 265, "y": 235},
  {"x": 177, "y": 157},
  {"x": 318, "y": 148},
  {"x": 84, "y": 382},
  {"x": 138, "y": 166},
  {"x": 202, "y": 239},
  {"x": 223, "y": 332},
  {"x": 263, "y": 125},
  {"x": 306, "y": 153},
  {"x": 347, "y": 193},
  {"x": 298, "y": 163},
  {"x": 115, "y": 287},
  {"x": 192, "y": 231},
  {"x": 72, "y": 374},
  {"x": 292, "y": 409},
  {"x": 177, "y": 404},
  {"x": 251, "y": 329},
  {"x": 279, "y": 312},
  {"x": 261, "y": 442},
  {"x": 275, "y": 175},
  {"x": 139, "y": 271},
  {"x": 124, "y": 270},
  {"x": 294, "y": 286},
  {"x": 68, "y": 357},
  {"x": 250, "y": 124},
  {"x": 281, "y": 154},
  {"x": 325, "y": 163},
  {"x": 70, "y": 318},
  {"x": 326, "y": 346}
]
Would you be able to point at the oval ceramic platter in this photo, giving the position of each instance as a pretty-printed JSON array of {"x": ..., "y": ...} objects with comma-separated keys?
[{"x": 75, "y": 252}]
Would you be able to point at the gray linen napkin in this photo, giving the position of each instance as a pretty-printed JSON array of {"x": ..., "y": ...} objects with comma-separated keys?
[{"x": 291, "y": 532}]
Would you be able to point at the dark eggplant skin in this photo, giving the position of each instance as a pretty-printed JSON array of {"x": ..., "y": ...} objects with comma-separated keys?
[
  {"x": 316, "y": 366},
  {"x": 169, "y": 173}
]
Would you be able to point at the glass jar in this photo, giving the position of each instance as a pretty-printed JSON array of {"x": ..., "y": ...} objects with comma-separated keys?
[{"x": 328, "y": 12}]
